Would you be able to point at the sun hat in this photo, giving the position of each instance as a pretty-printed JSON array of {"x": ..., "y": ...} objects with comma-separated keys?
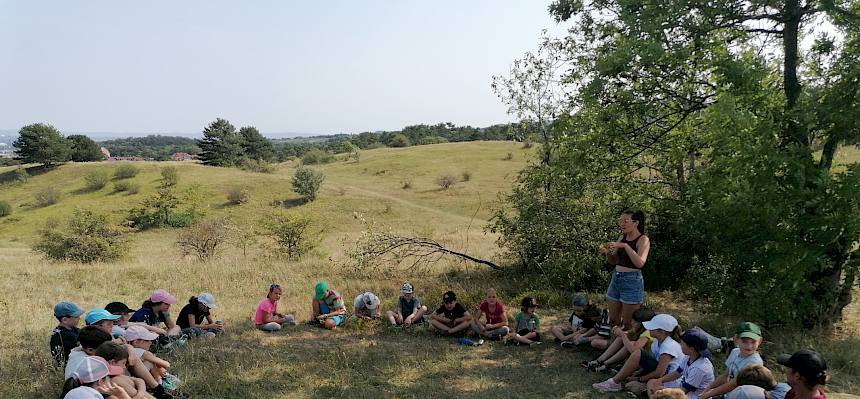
[
  {"x": 118, "y": 308},
  {"x": 529, "y": 302},
  {"x": 162, "y": 296},
  {"x": 67, "y": 309},
  {"x": 96, "y": 315},
  {"x": 579, "y": 300},
  {"x": 449, "y": 297},
  {"x": 697, "y": 339},
  {"x": 747, "y": 392},
  {"x": 94, "y": 368},
  {"x": 748, "y": 330},
  {"x": 139, "y": 332},
  {"x": 320, "y": 290},
  {"x": 207, "y": 299},
  {"x": 807, "y": 363},
  {"x": 371, "y": 301},
  {"x": 661, "y": 321},
  {"x": 406, "y": 288}
]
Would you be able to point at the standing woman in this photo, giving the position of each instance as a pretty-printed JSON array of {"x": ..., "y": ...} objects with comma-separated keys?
[{"x": 626, "y": 291}]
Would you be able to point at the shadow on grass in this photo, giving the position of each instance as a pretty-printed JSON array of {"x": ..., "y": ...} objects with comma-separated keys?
[
  {"x": 289, "y": 203},
  {"x": 11, "y": 176}
]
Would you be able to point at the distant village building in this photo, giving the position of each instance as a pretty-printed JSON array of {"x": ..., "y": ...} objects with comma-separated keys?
[
  {"x": 181, "y": 156},
  {"x": 133, "y": 159},
  {"x": 105, "y": 151}
]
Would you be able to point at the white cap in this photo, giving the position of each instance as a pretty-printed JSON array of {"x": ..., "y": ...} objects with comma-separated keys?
[
  {"x": 371, "y": 301},
  {"x": 747, "y": 392},
  {"x": 94, "y": 368},
  {"x": 661, "y": 321},
  {"x": 133, "y": 333},
  {"x": 406, "y": 288},
  {"x": 207, "y": 299}
]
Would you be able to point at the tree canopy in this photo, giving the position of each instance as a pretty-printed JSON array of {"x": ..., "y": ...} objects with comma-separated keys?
[
  {"x": 221, "y": 144},
  {"x": 41, "y": 143},
  {"x": 84, "y": 149}
]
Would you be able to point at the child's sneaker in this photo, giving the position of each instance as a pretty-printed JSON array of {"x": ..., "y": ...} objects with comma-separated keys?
[
  {"x": 170, "y": 382},
  {"x": 567, "y": 344},
  {"x": 608, "y": 386},
  {"x": 600, "y": 368},
  {"x": 535, "y": 343}
]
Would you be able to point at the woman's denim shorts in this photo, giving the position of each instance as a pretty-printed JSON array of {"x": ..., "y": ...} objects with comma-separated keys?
[{"x": 627, "y": 288}]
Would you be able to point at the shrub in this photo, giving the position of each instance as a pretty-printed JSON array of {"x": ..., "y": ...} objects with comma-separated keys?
[
  {"x": 89, "y": 237},
  {"x": 446, "y": 181},
  {"x": 5, "y": 209},
  {"x": 406, "y": 184},
  {"x": 238, "y": 196},
  {"x": 290, "y": 233},
  {"x": 203, "y": 239},
  {"x": 307, "y": 182},
  {"x": 317, "y": 156},
  {"x": 47, "y": 196},
  {"x": 433, "y": 140},
  {"x": 125, "y": 171},
  {"x": 466, "y": 176},
  {"x": 527, "y": 144},
  {"x": 127, "y": 186},
  {"x": 21, "y": 176},
  {"x": 166, "y": 209},
  {"x": 169, "y": 176},
  {"x": 96, "y": 180},
  {"x": 256, "y": 165},
  {"x": 373, "y": 146},
  {"x": 399, "y": 140},
  {"x": 508, "y": 157}
]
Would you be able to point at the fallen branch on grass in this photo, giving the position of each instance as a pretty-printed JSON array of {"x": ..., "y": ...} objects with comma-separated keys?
[{"x": 421, "y": 249}]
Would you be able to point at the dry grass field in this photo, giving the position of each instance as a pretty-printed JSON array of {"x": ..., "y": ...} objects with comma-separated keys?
[{"x": 361, "y": 360}]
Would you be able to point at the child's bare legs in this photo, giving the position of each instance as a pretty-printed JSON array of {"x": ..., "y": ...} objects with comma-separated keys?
[
  {"x": 459, "y": 327},
  {"x": 599, "y": 343},
  {"x": 617, "y": 357},
  {"x": 175, "y": 331},
  {"x": 417, "y": 317},
  {"x": 393, "y": 318},
  {"x": 525, "y": 339},
  {"x": 611, "y": 351},
  {"x": 630, "y": 366},
  {"x": 439, "y": 325},
  {"x": 558, "y": 332}
]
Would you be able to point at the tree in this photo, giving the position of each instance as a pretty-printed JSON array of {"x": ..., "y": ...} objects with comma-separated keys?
[
  {"x": 255, "y": 145},
  {"x": 221, "y": 144},
  {"x": 307, "y": 182},
  {"x": 41, "y": 143},
  {"x": 84, "y": 149},
  {"x": 399, "y": 140},
  {"x": 673, "y": 107}
]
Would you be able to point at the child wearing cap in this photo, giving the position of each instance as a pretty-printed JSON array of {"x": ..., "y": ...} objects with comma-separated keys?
[
  {"x": 124, "y": 312},
  {"x": 117, "y": 356},
  {"x": 366, "y": 306},
  {"x": 266, "y": 317},
  {"x": 747, "y": 339},
  {"x": 89, "y": 380},
  {"x": 451, "y": 317},
  {"x": 583, "y": 318},
  {"x": 756, "y": 381},
  {"x": 409, "y": 309},
  {"x": 154, "y": 311},
  {"x": 528, "y": 323},
  {"x": 694, "y": 374},
  {"x": 806, "y": 373},
  {"x": 664, "y": 355},
  {"x": 141, "y": 341},
  {"x": 64, "y": 337},
  {"x": 191, "y": 317},
  {"x": 495, "y": 323},
  {"x": 328, "y": 307},
  {"x": 101, "y": 318},
  {"x": 625, "y": 343}
]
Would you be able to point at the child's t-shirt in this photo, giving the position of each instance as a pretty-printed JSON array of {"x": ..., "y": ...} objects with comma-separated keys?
[
  {"x": 147, "y": 315},
  {"x": 407, "y": 307},
  {"x": 83, "y": 393},
  {"x": 360, "y": 307},
  {"x": 331, "y": 302},
  {"x": 456, "y": 312},
  {"x": 523, "y": 322},
  {"x": 265, "y": 306},
  {"x": 695, "y": 376},
  {"x": 671, "y": 348},
  {"x": 647, "y": 334},
  {"x": 63, "y": 340},
  {"x": 604, "y": 327},
  {"x": 495, "y": 316},
  {"x": 191, "y": 309},
  {"x": 735, "y": 363},
  {"x": 76, "y": 357},
  {"x": 576, "y": 322}
]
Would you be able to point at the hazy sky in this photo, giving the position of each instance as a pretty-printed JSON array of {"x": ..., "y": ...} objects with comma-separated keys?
[{"x": 308, "y": 67}]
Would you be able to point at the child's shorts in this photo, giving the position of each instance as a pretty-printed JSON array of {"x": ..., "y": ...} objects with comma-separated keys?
[
  {"x": 524, "y": 332},
  {"x": 647, "y": 362},
  {"x": 627, "y": 288}
]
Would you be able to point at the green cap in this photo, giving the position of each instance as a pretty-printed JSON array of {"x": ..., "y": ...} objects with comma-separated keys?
[
  {"x": 748, "y": 330},
  {"x": 320, "y": 289}
]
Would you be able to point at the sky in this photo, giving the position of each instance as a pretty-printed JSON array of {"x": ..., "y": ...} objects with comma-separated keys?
[{"x": 143, "y": 67}]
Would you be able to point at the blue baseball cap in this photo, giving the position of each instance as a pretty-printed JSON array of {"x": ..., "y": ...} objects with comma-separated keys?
[
  {"x": 697, "y": 339},
  {"x": 67, "y": 309},
  {"x": 99, "y": 314}
]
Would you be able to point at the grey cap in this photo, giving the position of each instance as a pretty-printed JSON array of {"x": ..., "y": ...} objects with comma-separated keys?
[{"x": 747, "y": 392}]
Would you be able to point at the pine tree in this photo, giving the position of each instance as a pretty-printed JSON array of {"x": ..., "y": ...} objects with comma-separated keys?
[
  {"x": 221, "y": 144},
  {"x": 41, "y": 143},
  {"x": 255, "y": 145}
]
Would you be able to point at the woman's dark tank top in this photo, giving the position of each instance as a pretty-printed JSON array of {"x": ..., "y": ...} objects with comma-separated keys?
[{"x": 623, "y": 258}]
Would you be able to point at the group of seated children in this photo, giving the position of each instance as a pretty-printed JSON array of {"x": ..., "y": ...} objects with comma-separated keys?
[{"x": 118, "y": 342}]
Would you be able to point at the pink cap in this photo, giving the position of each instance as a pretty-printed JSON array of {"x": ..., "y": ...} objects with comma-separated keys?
[{"x": 162, "y": 296}]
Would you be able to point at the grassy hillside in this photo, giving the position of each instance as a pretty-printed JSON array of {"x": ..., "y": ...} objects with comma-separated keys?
[{"x": 361, "y": 360}]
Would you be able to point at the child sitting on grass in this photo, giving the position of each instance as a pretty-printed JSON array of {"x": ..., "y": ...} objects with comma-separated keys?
[
  {"x": 141, "y": 340},
  {"x": 191, "y": 317},
  {"x": 451, "y": 317},
  {"x": 90, "y": 380},
  {"x": 694, "y": 374},
  {"x": 584, "y": 317},
  {"x": 806, "y": 372},
  {"x": 528, "y": 323},
  {"x": 102, "y": 319},
  {"x": 409, "y": 310},
  {"x": 124, "y": 312},
  {"x": 366, "y": 306},
  {"x": 266, "y": 317},
  {"x": 756, "y": 381},
  {"x": 328, "y": 307},
  {"x": 495, "y": 323},
  {"x": 625, "y": 343},
  {"x": 155, "y": 312},
  {"x": 747, "y": 338},
  {"x": 117, "y": 356},
  {"x": 64, "y": 338}
]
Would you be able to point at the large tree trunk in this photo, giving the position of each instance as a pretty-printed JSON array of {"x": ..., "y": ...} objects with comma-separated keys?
[{"x": 792, "y": 14}]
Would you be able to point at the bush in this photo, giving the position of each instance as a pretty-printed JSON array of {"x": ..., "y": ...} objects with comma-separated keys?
[
  {"x": 406, "y": 184},
  {"x": 238, "y": 196},
  {"x": 508, "y": 157},
  {"x": 446, "y": 181},
  {"x": 317, "y": 156},
  {"x": 256, "y": 165},
  {"x": 432, "y": 140},
  {"x": 47, "y": 196},
  {"x": 89, "y": 237},
  {"x": 466, "y": 176},
  {"x": 307, "y": 182},
  {"x": 203, "y": 239},
  {"x": 125, "y": 171},
  {"x": 127, "y": 186},
  {"x": 399, "y": 140},
  {"x": 373, "y": 146},
  {"x": 5, "y": 209},
  {"x": 166, "y": 209},
  {"x": 96, "y": 180},
  {"x": 169, "y": 176},
  {"x": 21, "y": 176},
  {"x": 290, "y": 233},
  {"x": 527, "y": 144}
]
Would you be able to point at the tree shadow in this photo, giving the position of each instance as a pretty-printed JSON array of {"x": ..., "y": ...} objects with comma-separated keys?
[
  {"x": 289, "y": 203},
  {"x": 11, "y": 176}
]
